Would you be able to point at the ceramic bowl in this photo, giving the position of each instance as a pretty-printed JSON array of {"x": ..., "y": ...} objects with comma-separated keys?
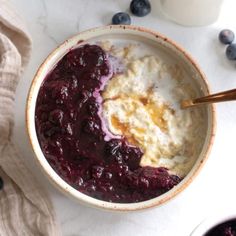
[
  {"x": 171, "y": 51},
  {"x": 213, "y": 221}
]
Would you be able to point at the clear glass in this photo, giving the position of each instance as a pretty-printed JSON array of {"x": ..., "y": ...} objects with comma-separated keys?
[{"x": 192, "y": 12}]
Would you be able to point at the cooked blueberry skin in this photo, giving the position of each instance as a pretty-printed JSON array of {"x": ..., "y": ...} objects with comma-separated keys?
[
  {"x": 121, "y": 18},
  {"x": 231, "y": 52},
  {"x": 140, "y": 7},
  {"x": 1, "y": 183},
  {"x": 226, "y": 36}
]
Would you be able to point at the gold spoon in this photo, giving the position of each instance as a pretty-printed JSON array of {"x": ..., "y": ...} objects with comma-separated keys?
[{"x": 213, "y": 98}]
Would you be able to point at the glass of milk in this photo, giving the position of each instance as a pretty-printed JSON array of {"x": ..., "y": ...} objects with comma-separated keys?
[{"x": 192, "y": 12}]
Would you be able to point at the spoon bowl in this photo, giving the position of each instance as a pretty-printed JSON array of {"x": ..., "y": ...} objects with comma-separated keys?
[{"x": 224, "y": 96}]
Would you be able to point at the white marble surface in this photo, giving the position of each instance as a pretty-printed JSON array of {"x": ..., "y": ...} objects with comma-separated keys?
[{"x": 50, "y": 22}]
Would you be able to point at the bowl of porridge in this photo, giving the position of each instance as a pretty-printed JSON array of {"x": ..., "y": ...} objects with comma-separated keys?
[{"x": 104, "y": 119}]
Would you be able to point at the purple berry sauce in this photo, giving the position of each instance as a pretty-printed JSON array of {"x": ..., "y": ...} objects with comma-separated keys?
[
  {"x": 225, "y": 229},
  {"x": 76, "y": 141}
]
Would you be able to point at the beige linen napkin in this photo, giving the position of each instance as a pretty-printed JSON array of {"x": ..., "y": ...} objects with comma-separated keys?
[{"x": 24, "y": 207}]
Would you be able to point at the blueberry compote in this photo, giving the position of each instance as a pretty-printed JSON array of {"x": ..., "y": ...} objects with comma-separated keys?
[
  {"x": 74, "y": 137},
  {"x": 225, "y": 229}
]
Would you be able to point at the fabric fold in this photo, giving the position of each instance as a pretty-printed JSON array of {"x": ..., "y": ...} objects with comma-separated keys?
[{"x": 25, "y": 208}]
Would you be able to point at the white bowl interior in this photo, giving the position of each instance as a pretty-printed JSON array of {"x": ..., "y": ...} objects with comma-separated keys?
[{"x": 169, "y": 52}]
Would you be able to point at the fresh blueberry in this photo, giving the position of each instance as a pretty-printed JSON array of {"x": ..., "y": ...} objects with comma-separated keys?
[
  {"x": 231, "y": 52},
  {"x": 140, "y": 7},
  {"x": 121, "y": 18},
  {"x": 226, "y": 36},
  {"x": 1, "y": 183}
]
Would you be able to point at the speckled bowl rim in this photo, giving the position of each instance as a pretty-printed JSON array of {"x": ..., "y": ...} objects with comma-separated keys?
[
  {"x": 212, "y": 221},
  {"x": 57, "y": 180}
]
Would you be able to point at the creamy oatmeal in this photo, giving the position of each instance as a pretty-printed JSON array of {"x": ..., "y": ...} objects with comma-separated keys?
[{"x": 143, "y": 105}]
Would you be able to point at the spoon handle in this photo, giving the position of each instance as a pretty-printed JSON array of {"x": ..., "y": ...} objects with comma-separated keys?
[{"x": 213, "y": 98}]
